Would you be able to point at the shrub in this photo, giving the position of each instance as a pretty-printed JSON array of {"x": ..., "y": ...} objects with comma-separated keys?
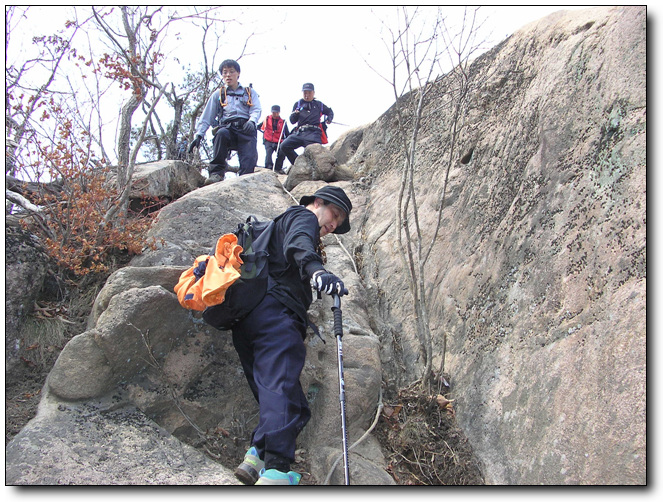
[{"x": 76, "y": 229}]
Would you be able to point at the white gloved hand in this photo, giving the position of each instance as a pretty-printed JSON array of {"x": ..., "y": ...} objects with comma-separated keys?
[{"x": 328, "y": 283}]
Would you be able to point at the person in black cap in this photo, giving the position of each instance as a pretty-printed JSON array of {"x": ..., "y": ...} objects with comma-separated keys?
[
  {"x": 270, "y": 340},
  {"x": 233, "y": 112},
  {"x": 274, "y": 130},
  {"x": 307, "y": 113}
]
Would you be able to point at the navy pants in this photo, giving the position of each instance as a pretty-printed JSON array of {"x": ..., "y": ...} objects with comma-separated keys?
[
  {"x": 232, "y": 138},
  {"x": 270, "y": 345},
  {"x": 294, "y": 141},
  {"x": 270, "y": 148}
]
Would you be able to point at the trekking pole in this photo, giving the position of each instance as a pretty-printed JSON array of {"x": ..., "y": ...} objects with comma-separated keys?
[
  {"x": 202, "y": 142},
  {"x": 278, "y": 145},
  {"x": 338, "y": 332}
]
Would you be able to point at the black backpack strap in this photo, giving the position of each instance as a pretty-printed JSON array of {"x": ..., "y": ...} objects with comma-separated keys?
[{"x": 315, "y": 329}]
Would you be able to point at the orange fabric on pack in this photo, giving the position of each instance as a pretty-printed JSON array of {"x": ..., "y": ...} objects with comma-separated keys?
[
  {"x": 221, "y": 271},
  {"x": 189, "y": 292},
  {"x": 220, "y": 277}
]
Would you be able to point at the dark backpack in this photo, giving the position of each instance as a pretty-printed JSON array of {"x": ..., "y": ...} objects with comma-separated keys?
[{"x": 249, "y": 290}]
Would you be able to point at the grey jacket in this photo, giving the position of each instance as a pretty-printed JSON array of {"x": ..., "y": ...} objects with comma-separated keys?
[{"x": 237, "y": 108}]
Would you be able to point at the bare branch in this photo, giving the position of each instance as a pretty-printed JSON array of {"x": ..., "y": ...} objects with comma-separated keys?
[
  {"x": 132, "y": 161},
  {"x": 18, "y": 199},
  {"x": 416, "y": 48}
]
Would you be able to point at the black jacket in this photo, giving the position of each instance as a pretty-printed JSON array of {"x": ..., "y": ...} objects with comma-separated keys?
[
  {"x": 293, "y": 258},
  {"x": 310, "y": 112}
]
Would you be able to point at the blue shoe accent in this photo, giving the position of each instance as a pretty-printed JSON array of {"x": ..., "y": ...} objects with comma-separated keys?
[{"x": 274, "y": 477}]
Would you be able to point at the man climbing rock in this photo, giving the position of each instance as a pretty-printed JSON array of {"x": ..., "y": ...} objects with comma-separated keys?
[
  {"x": 270, "y": 340},
  {"x": 233, "y": 111},
  {"x": 307, "y": 114}
]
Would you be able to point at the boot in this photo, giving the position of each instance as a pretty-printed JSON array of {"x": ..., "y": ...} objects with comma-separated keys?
[
  {"x": 213, "y": 178},
  {"x": 248, "y": 471}
]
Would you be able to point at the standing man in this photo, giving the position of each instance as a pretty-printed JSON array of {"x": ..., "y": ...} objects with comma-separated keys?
[
  {"x": 233, "y": 111},
  {"x": 270, "y": 340},
  {"x": 307, "y": 114},
  {"x": 275, "y": 130}
]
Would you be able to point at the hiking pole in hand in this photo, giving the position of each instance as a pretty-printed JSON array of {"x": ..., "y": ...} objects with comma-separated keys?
[
  {"x": 338, "y": 332},
  {"x": 202, "y": 141}
]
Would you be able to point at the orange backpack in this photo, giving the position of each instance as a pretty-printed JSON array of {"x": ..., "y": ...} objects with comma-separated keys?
[
  {"x": 206, "y": 282},
  {"x": 229, "y": 283}
]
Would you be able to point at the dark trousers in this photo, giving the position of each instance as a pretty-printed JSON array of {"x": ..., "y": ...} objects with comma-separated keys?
[
  {"x": 270, "y": 345},
  {"x": 294, "y": 141},
  {"x": 270, "y": 148},
  {"x": 232, "y": 138}
]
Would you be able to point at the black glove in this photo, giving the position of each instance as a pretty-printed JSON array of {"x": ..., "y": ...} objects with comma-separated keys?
[
  {"x": 328, "y": 283},
  {"x": 249, "y": 127},
  {"x": 195, "y": 143}
]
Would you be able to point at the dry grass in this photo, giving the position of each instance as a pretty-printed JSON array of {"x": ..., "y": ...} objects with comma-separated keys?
[{"x": 424, "y": 443}]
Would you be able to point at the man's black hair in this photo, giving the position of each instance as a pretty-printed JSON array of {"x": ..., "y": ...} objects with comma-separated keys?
[{"x": 229, "y": 63}]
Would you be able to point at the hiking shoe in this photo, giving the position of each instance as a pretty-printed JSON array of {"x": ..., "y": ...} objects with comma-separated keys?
[
  {"x": 274, "y": 477},
  {"x": 248, "y": 471},
  {"x": 214, "y": 178}
]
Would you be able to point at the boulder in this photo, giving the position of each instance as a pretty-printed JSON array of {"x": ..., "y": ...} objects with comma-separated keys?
[
  {"x": 98, "y": 443},
  {"x": 347, "y": 144},
  {"x": 133, "y": 277},
  {"x": 317, "y": 163},
  {"x": 82, "y": 370},
  {"x": 155, "y": 184},
  {"x": 26, "y": 266},
  {"x": 165, "y": 179},
  {"x": 192, "y": 226}
]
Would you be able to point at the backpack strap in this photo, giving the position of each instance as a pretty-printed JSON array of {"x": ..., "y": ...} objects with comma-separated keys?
[
  {"x": 223, "y": 95},
  {"x": 248, "y": 89},
  {"x": 315, "y": 329}
]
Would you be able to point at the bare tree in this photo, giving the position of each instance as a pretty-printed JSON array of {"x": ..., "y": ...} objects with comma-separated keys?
[
  {"x": 24, "y": 97},
  {"x": 136, "y": 52},
  {"x": 55, "y": 126},
  {"x": 137, "y": 40},
  {"x": 417, "y": 46}
]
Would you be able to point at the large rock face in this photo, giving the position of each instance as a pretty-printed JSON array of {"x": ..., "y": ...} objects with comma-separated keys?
[
  {"x": 538, "y": 276},
  {"x": 97, "y": 443}
]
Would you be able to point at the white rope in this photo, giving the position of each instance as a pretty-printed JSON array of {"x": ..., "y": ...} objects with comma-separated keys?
[{"x": 364, "y": 436}]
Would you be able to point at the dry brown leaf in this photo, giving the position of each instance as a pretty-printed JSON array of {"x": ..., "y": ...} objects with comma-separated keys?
[{"x": 443, "y": 402}]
